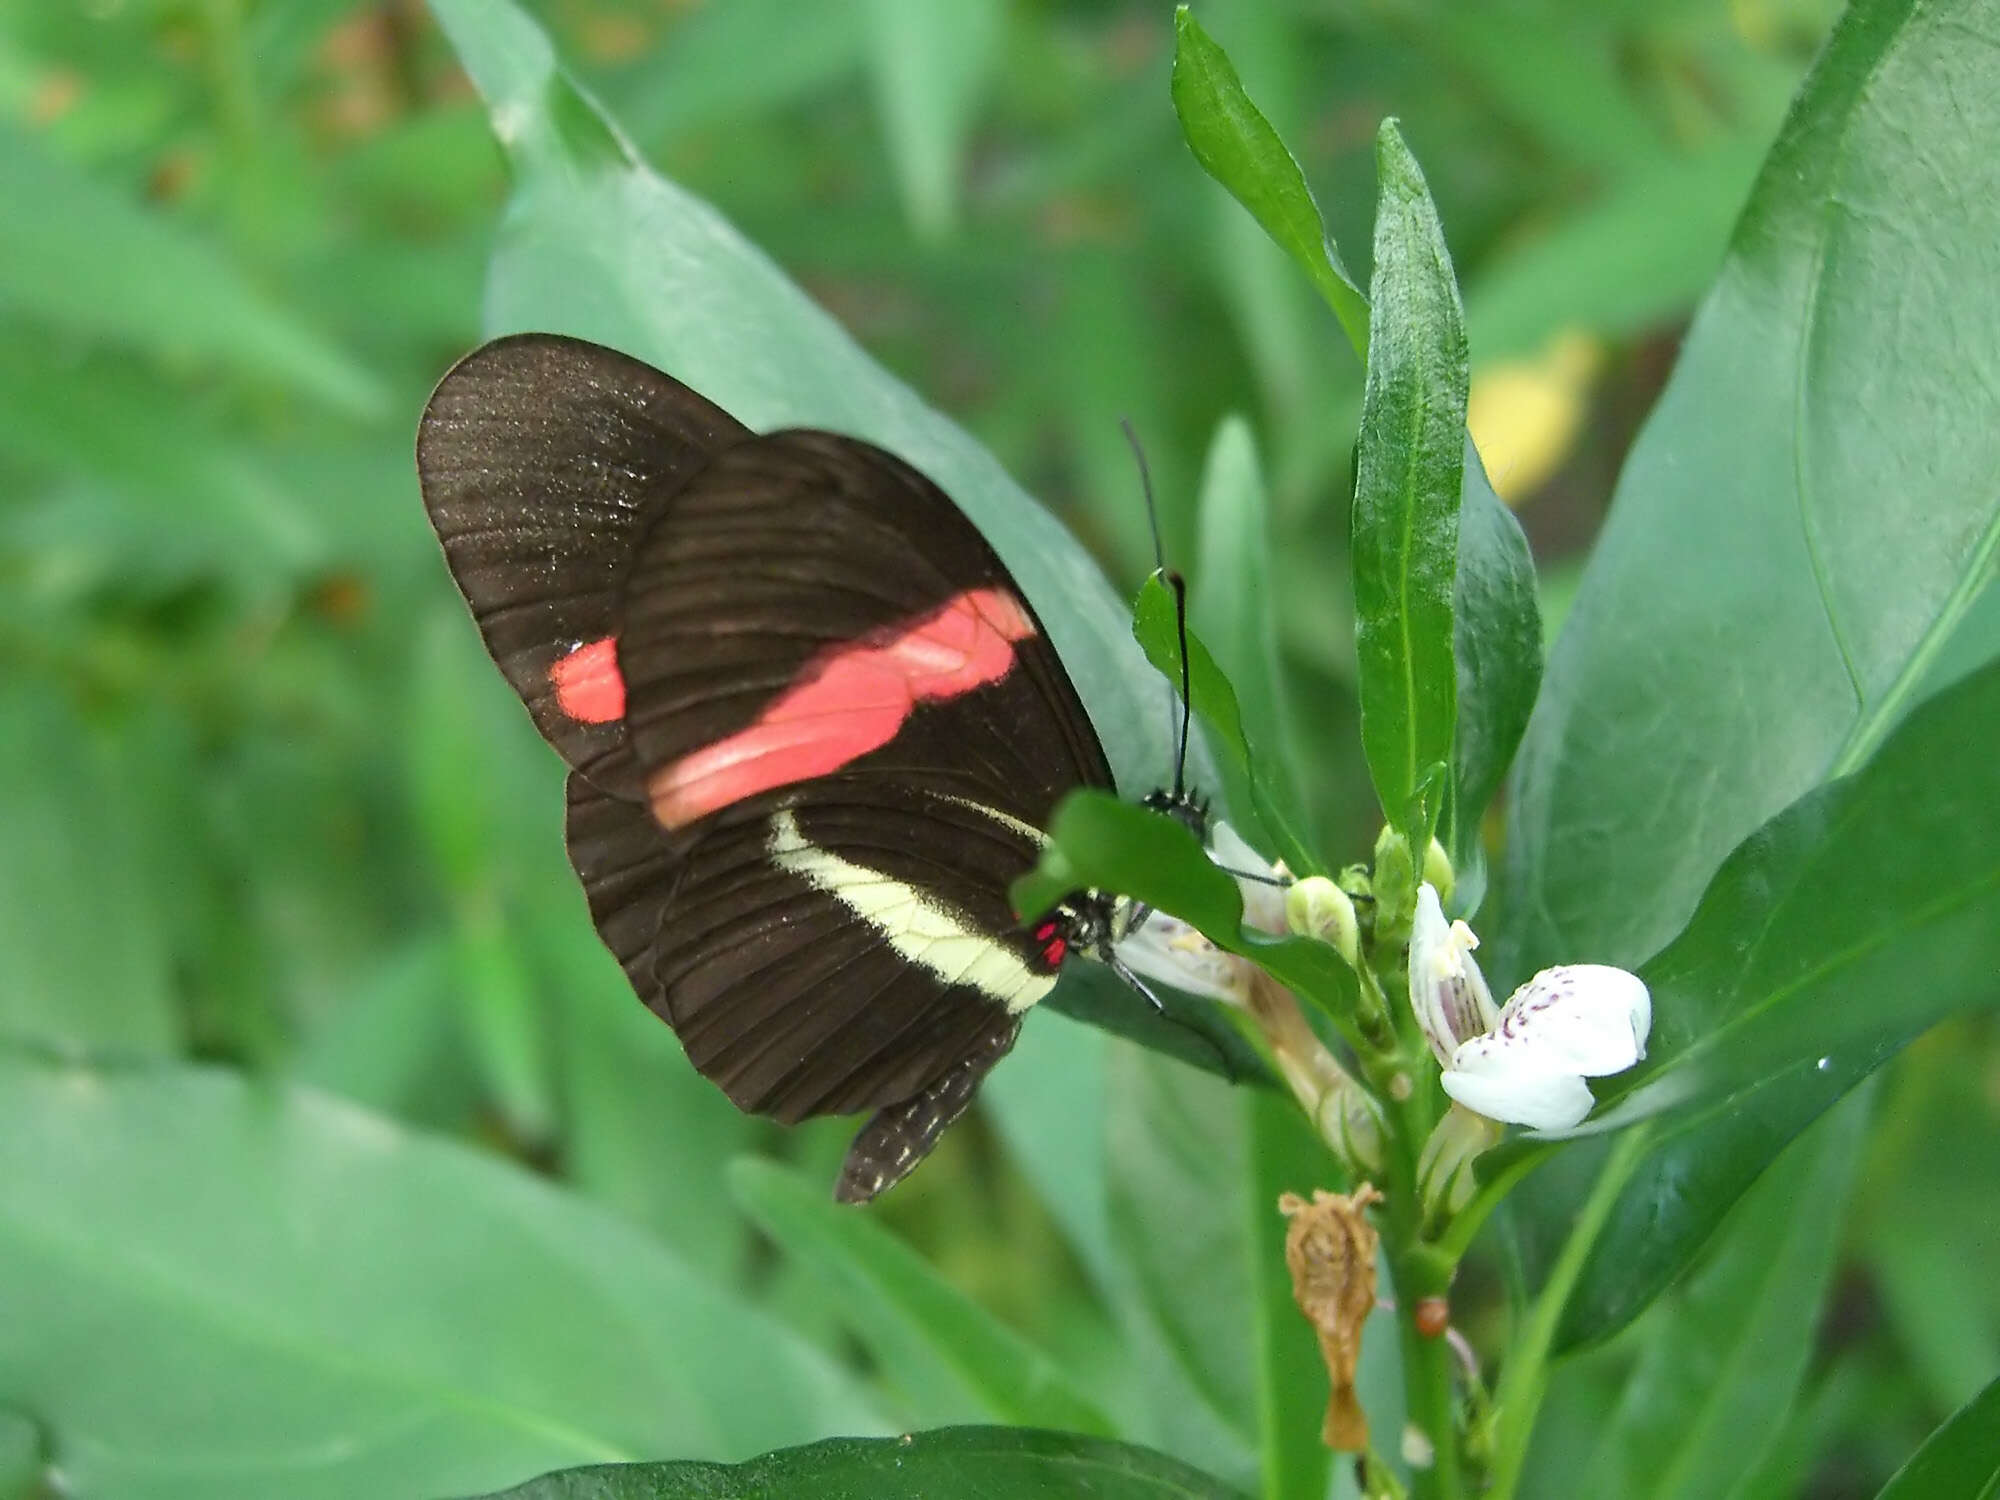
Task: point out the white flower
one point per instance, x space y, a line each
1526 1064
1447 991
1168 950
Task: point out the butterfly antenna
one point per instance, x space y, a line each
1179 586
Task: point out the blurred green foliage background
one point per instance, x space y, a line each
265 803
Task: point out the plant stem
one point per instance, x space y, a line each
1427 1368
1524 1380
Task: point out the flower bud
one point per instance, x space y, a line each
1438 871
1316 907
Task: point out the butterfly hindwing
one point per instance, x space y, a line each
541 460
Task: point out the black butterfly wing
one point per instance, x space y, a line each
833 937
541 459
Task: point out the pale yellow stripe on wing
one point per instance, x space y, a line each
917 927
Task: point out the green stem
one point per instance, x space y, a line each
1524 1380
1427 1367
1458 1236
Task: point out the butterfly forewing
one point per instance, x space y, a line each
541 458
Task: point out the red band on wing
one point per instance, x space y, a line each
589 688
848 703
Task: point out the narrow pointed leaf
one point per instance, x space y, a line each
1407 485
1230 594
1156 623
1236 146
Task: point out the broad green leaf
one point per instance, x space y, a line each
1156 621
1842 929
71 264
918 1325
993 1463
1497 636
84 961
1723 1366
1409 472
1960 1461
598 245
640 1129
1096 841
225 1289
1049 1106
1807 516
930 63
1230 595
1179 1220
1236 146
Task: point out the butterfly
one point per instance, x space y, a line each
813 728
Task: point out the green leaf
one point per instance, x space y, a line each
994 1463
1729 1351
1960 1461
1409 473
73 263
1284 1156
597 245
1157 625
1096 841
1236 146
227 1289
1807 516
84 962
1231 596
641 1130
1498 622
929 63
927 1335
1049 1106
1842 929
1497 638
1179 1219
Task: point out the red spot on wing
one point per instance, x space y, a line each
848 703
589 687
